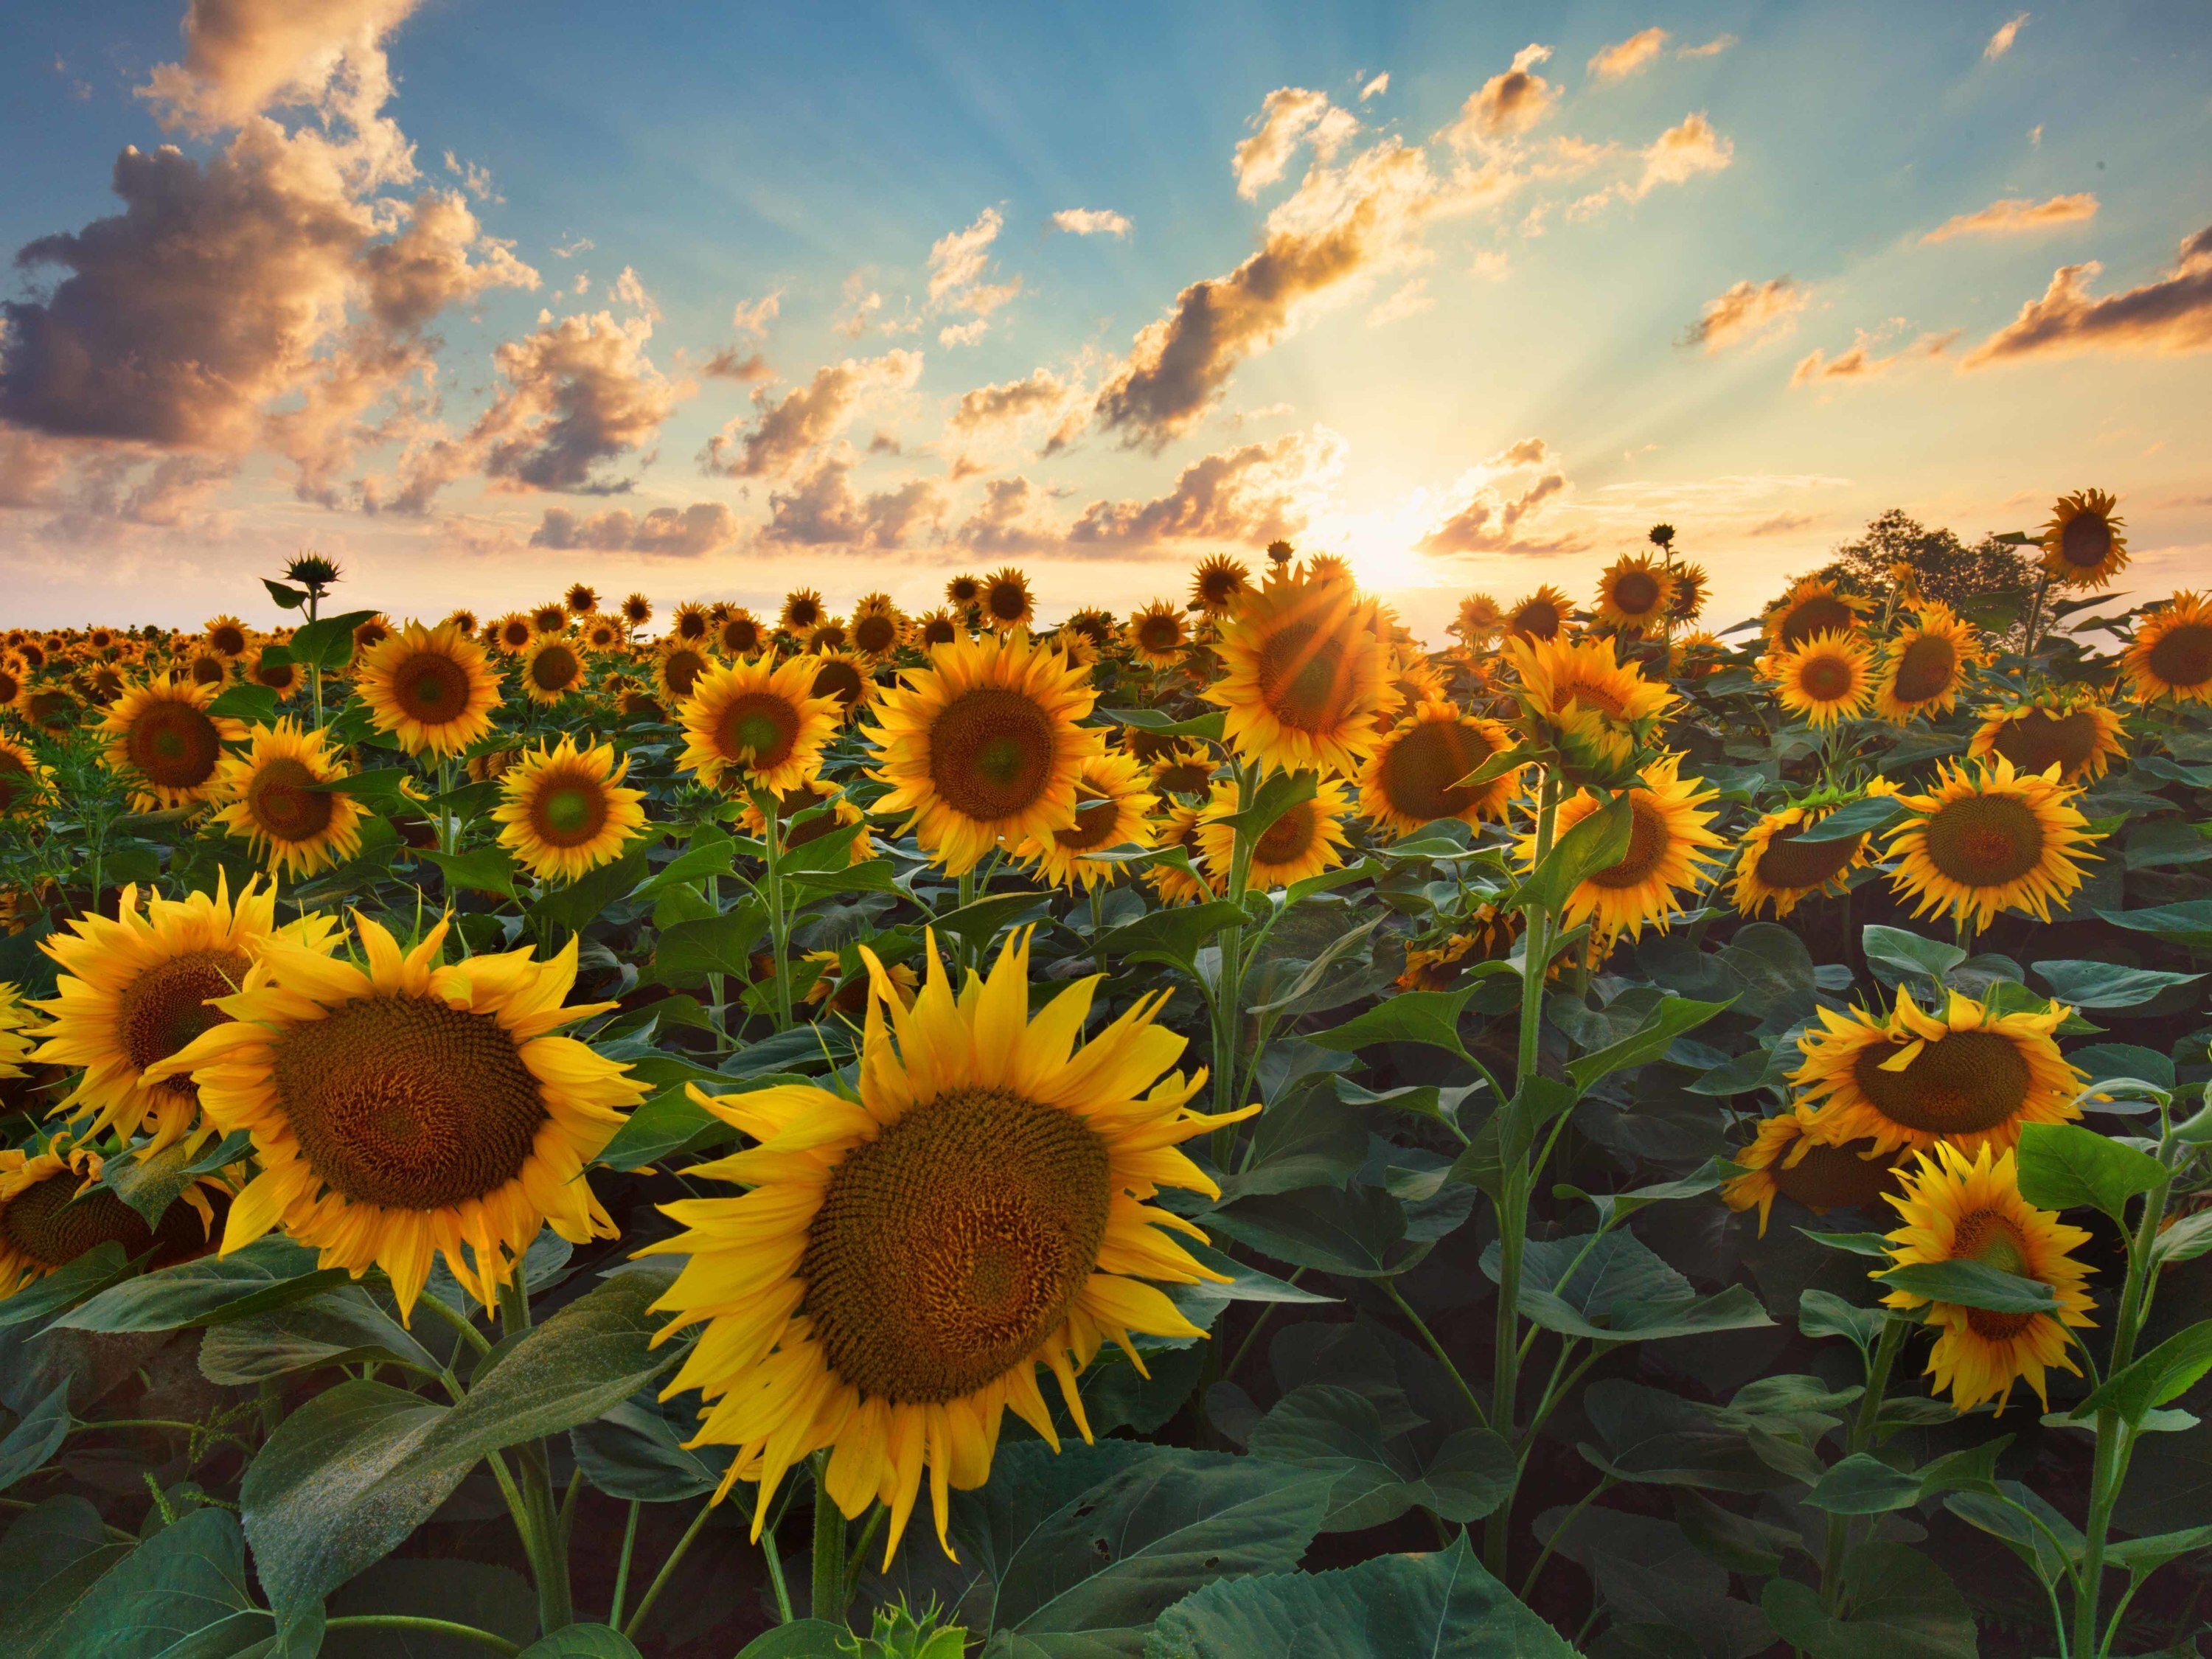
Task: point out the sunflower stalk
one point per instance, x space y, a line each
1229 983
828 1590
541 1540
1860 1436
779 918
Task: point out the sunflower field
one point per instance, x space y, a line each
1214 1132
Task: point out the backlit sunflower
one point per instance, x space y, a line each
1635 593
741 634
1006 601
602 633
1304 675
135 989
53 1209
512 633
227 637
1966 1076
827 636
1813 606
2170 655
581 599
1219 582
935 627
802 611
1178 827
2082 546
1924 667
1413 779
401 1109
1786 1160
677 667
904 1262
1541 615
1987 839
566 811
1180 769
1955 1210
160 738
1776 866
274 798
790 803
23 781
1824 678
430 688
688 623
1095 626
1157 634
755 725
552 667
637 610
1691 587
1479 620
879 626
1113 808
1306 840
1667 835
1330 570
2070 727
1579 699
271 666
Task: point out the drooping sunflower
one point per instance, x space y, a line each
983 746
1958 1209
2170 655
1413 779
2082 546
688 623
161 737
1157 634
1113 808
802 611
512 633
637 610
24 781
1006 600
565 809
1987 839
1786 1160
53 1209
1540 616
1219 582
848 993
741 634
551 668
1813 606
2070 727
271 666
1967 1076
1668 835
1776 866
1824 678
904 1261
879 626
401 1108
1303 675
1306 840
790 803
1924 667
227 637
430 688
936 628
277 796
755 725
677 667
135 988
1635 593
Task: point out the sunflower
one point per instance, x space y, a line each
879 626
1219 582
637 610
1157 634
1825 678
740 634
135 989
53 1209
688 623
20 1026
1181 770
1093 626
512 633
1415 680
1479 619
565 810
15 679
277 673
275 798
903 1261
1487 935
227 637
1776 866
1967 1077
23 781
429 688
1280 553
1787 1159
1813 606
755 725
1006 600
1989 839
1330 570
1113 808
2170 655
936 628
551 668
1635 593
677 667
1303 675
850 678
374 632
162 737
602 633
1413 779
1178 827
402 1108
2082 546
205 669
2072 728
983 746
802 611
1306 840
1578 697
1540 616
581 599
1691 588
848 993
1924 667
1667 836
792 802
825 636
1955 1210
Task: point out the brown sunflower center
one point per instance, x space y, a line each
11 688
681 670
1994 1241
1823 613
2036 742
284 804
948 1248
1094 823
690 625
964 589
1187 777
1007 601
515 635
741 638
1539 620
166 1006
1305 676
173 746
1836 1177
569 810
1419 774
1635 593
431 689
757 730
555 668
839 679
1591 695
1289 837
45 1225
802 613
2182 656
1827 679
209 671
1648 839
991 753
406 1103
1984 840
1159 630
1790 864
875 633
276 676
228 638
1217 585
1927 669
2086 541
939 630
1961 1083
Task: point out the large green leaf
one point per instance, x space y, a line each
1353 1232
339 1326
1854 819
687 952
635 1451
480 869
2064 1165
1972 1285
664 1123
2189 923
2151 1380
327 643
1902 1606
1393 1606
1903 951
574 906
180 1595
589 1641
1570 1285
1862 1484
1321 1425
35 1438
1430 1017
1171 936
1280 791
1653 1438
269 1274
50 1560
1670 1019
1597 842
2106 985
98 1267
1310 1139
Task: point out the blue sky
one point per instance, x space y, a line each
1476 361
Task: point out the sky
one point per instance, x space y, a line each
484 298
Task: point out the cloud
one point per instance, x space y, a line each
1862 362
736 363
959 261
242 57
1782 524
961 334
823 509
576 245
1001 522
2167 317
807 416
1505 105
1674 157
676 532
2013 216
427 267
1621 60
1376 87
1249 495
1712 48
1744 312
1410 298
753 316
860 306
1485 510
1288 116
579 392
989 407
1091 221
2000 42
476 178
1528 452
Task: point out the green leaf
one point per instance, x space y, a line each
92 1272
287 597
1354 1232
2000 1516
36 1436
1569 1285
1862 1484
871 876
2143 1556
1670 1019
575 907
687 952
1277 795
1388 1607
1310 1139
665 1123
2106 984
1854 819
2099 1061
699 862
269 1274
1321 1425
2184 1240
1162 725
1821 1312
149 1182
1652 1437
50 1560
590 1641
2165 1373
635 1451
1172 935
1902 1606
1430 1017
802 1639
342 1326
180 1595
2064 1165
1867 1244
1597 842
481 869
2188 923
1971 1284
254 704
1905 952
978 924
328 643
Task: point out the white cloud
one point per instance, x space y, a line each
1091 221
2000 42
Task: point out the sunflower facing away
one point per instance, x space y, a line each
1636 594
2069 727
1304 673
1924 667
401 1108
1813 607
1967 1075
136 990
565 810
2170 655
1957 1209
1113 808
430 688
161 737
275 798
2082 546
1306 840
982 745
904 1262
1989 839
1776 866
1823 679
755 725
1667 838
1219 582
53 1209
1157 634
1785 1159
1413 779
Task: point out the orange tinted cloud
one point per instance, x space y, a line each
1288 116
579 392
1091 221
2013 215
2168 317
1505 105
1744 312
806 417
1627 57
1252 493
2000 42
1488 509
822 508
676 532
243 55
1862 362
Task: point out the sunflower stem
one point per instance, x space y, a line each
1229 983
779 923
827 1599
483 1639
1860 1436
315 669
622 1565
668 1568
548 1563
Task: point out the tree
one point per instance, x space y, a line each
1946 569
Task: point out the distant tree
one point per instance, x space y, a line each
1947 568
